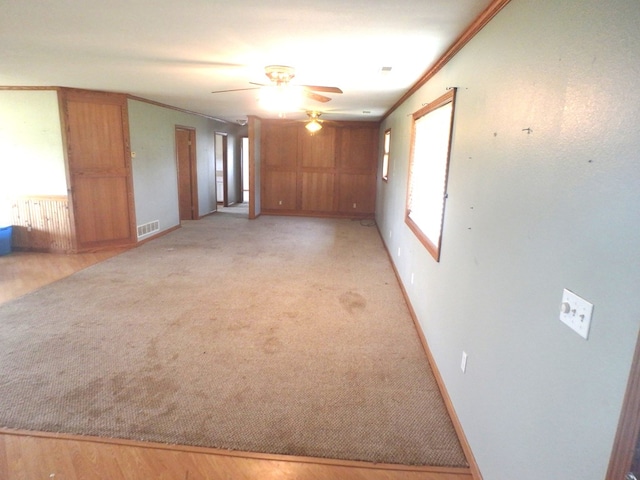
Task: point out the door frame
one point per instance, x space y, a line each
624 444
193 170
225 169
244 168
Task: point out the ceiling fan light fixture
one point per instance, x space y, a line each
313 126
279 74
280 98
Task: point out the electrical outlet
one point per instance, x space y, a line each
411 278
576 312
399 251
463 362
355 205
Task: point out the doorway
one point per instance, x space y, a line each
187 173
221 169
625 458
245 169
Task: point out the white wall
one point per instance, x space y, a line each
31 154
529 215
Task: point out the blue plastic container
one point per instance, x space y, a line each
5 240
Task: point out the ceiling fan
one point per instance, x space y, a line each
314 124
281 76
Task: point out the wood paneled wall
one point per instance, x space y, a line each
330 173
42 224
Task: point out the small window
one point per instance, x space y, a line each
385 155
429 165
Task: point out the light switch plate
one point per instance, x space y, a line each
576 313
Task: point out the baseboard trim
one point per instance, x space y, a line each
157 235
473 466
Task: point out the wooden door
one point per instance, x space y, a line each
187 178
99 169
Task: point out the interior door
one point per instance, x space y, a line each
187 175
99 168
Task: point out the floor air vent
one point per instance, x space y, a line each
148 228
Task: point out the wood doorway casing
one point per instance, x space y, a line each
99 176
221 169
626 445
187 173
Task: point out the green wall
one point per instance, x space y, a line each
527 215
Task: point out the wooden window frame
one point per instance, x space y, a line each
432 245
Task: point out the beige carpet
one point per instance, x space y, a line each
279 335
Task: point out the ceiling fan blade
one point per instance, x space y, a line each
315 96
235 90
318 88
259 84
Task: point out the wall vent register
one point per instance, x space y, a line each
148 228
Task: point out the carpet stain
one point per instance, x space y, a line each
91 391
272 345
352 302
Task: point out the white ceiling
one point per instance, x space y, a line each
176 53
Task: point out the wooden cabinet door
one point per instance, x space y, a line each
99 162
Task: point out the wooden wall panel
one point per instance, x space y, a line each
318 150
356 147
321 174
356 193
280 145
103 196
279 190
96 134
42 224
317 192
97 139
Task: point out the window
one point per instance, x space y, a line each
429 165
385 155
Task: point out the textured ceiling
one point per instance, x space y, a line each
176 53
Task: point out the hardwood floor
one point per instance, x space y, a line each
22 272
36 455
